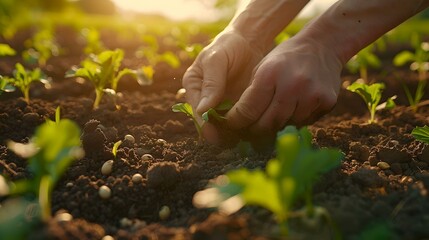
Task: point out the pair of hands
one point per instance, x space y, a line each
295 83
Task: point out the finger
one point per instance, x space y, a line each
192 83
253 102
215 67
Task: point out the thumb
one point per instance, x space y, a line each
215 68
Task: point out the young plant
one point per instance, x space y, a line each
103 70
421 134
420 63
371 94
22 79
41 47
362 61
6 50
288 177
217 114
115 148
186 108
50 151
5 85
93 41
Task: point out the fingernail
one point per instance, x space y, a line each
202 106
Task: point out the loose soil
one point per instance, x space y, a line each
359 194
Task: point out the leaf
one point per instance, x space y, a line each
6 50
171 59
403 57
185 108
216 114
421 134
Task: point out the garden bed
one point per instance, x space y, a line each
362 195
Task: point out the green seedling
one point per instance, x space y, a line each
115 148
421 134
288 177
103 70
22 79
186 108
419 62
362 61
5 85
6 50
41 47
217 114
151 53
371 94
49 152
93 41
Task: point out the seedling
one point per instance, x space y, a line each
362 61
6 50
103 70
287 178
41 47
115 148
371 94
22 79
186 108
421 134
420 63
5 86
51 150
217 114
93 42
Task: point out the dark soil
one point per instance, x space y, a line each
359 195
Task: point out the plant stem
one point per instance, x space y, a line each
98 96
372 110
26 92
198 127
309 202
44 197
364 74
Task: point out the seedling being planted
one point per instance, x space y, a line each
50 151
22 79
103 70
421 134
288 177
186 108
217 114
371 94
419 62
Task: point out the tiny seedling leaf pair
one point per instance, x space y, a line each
421 134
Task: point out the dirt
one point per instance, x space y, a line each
361 194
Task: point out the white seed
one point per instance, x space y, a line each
106 169
180 93
107 237
137 178
383 165
104 192
69 184
161 141
147 157
164 212
130 138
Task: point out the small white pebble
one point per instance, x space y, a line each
125 222
104 192
69 184
63 217
130 138
383 165
107 237
164 212
137 178
106 169
147 157
161 141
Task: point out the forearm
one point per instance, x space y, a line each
261 20
350 25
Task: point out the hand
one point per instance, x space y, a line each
221 71
295 84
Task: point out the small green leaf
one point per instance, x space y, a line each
171 59
421 134
6 50
403 57
185 108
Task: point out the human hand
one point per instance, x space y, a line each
221 71
295 84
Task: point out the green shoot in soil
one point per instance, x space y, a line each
420 63
5 86
287 178
103 70
371 94
41 47
22 79
51 150
186 108
6 50
115 148
421 134
362 61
